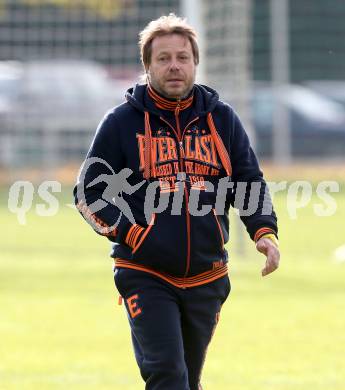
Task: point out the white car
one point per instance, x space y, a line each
52 108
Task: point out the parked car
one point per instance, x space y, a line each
331 89
317 123
10 74
53 106
56 95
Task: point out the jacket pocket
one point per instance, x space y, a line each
220 232
207 241
163 245
145 234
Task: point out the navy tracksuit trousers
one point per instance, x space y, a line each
171 327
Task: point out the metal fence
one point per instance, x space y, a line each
64 63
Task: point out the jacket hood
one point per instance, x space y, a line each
205 99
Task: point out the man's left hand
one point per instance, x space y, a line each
271 251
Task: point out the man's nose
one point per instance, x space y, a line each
174 65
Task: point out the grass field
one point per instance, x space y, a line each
61 327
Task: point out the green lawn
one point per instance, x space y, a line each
61 327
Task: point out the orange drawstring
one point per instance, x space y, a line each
223 154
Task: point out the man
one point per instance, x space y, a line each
189 154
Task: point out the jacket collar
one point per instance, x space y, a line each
170 104
204 99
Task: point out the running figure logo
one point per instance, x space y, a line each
116 185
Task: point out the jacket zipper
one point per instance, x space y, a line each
177 113
179 137
177 120
187 200
193 120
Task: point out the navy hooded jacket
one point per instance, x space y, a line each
159 179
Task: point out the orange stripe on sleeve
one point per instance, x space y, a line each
261 232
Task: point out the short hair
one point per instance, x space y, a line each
166 25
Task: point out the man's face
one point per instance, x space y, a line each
172 68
